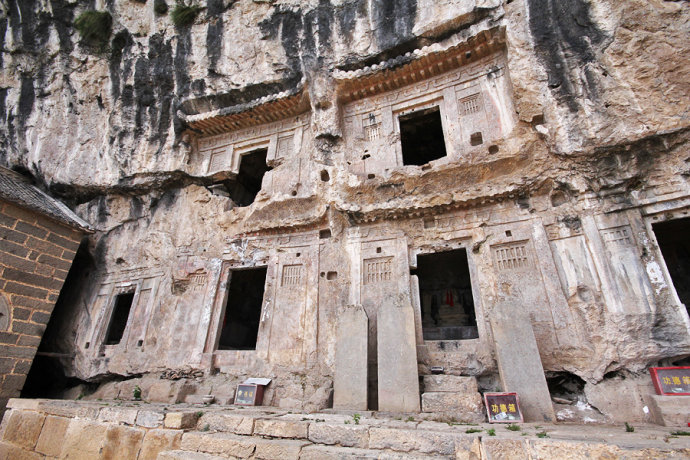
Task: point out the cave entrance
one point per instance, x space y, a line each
421 136
118 320
242 314
445 296
674 243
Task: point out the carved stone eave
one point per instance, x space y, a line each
421 64
260 111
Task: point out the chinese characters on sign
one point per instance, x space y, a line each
671 380
503 407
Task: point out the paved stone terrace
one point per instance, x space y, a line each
52 429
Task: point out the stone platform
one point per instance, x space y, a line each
58 429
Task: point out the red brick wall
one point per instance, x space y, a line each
35 255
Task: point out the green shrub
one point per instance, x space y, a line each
183 15
629 428
160 7
491 431
513 427
473 430
94 27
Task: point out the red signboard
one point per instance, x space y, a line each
671 380
503 407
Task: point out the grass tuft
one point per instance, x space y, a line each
513 427
94 27
183 15
160 7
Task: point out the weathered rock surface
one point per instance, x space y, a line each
582 151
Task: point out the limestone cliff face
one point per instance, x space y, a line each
595 98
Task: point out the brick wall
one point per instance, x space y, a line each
35 255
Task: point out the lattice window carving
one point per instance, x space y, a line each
378 270
619 236
292 275
372 127
511 256
470 104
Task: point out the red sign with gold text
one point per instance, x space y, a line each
671 380
503 407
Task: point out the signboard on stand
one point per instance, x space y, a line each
673 381
503 407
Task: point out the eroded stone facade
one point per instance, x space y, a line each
555 159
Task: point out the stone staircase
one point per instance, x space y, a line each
50 429
453 397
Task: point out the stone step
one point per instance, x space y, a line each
186 455
450 383
337 453
242 446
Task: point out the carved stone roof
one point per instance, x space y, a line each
262 110
417 65
16 189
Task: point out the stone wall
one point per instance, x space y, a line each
35 254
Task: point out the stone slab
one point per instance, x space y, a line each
281 428
519 364
186 455
278 449
469 403
23 428
149 419
350 379
219 443
398 376
426 442
180 420
157 441
52 436
344 435
237 424
450 383
122 442
670 410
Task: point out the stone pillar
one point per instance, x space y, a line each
350 381
519 363
398 377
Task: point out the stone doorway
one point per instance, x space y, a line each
445 296
242 313
673 237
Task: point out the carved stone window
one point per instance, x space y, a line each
513 256
372 127
619 236
292 275
421 136
470 104
119 318
378 270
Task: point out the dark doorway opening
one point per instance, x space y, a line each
246 186
445 295
421 136
118 320
674 241
240 325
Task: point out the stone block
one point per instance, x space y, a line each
425 442
180 420
278 449
237 424
83 439
670 410
451 402
162 391
281 428
332 452
122 442
149 419
504 449
450 383
126 415
52 436
184 455
519 363
398 381
23 428
11 452
344 435
157 441
219 443
22 403
350 380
